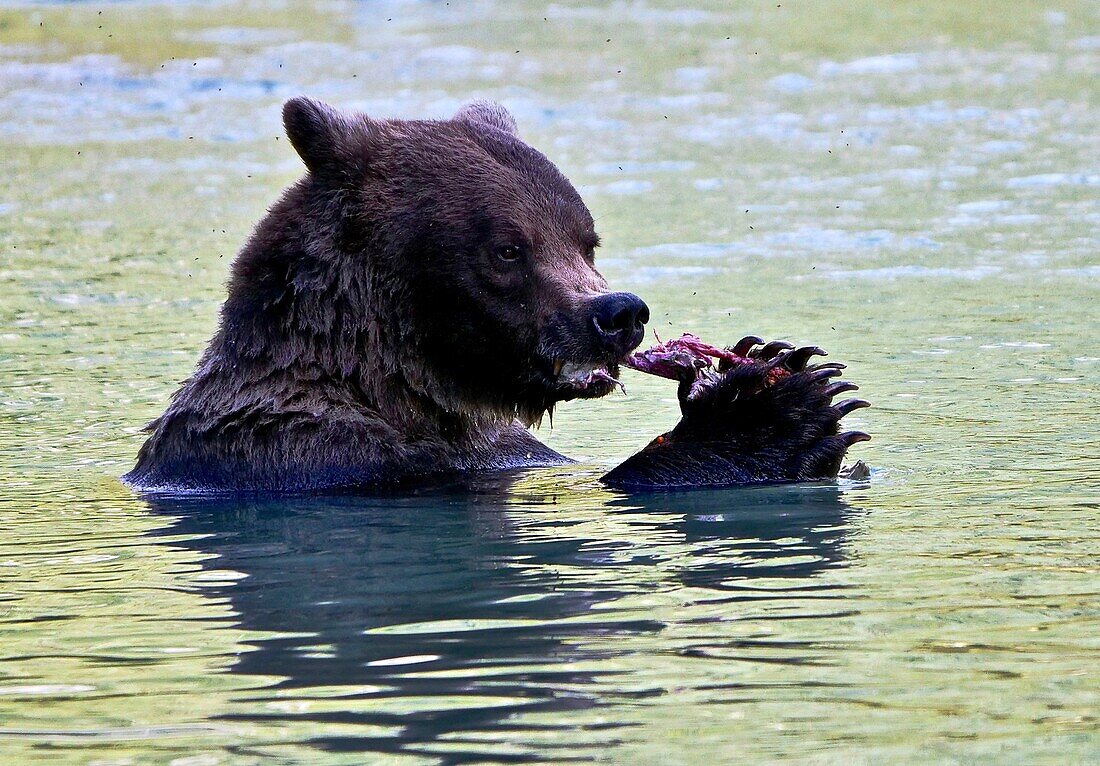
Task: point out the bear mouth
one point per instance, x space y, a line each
587 380
686 359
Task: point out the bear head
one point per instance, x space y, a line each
478 255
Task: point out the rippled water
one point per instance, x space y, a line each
915 186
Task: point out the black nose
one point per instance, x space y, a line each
620 320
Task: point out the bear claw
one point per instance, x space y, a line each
840 387
822 374
850 405
852 437
796 360
769 351
743 346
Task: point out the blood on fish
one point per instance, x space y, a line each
689 357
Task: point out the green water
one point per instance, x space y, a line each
914 186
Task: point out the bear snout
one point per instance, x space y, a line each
619 320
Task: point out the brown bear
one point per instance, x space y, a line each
425 292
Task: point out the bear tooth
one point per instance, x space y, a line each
558 365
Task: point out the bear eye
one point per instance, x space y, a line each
509 253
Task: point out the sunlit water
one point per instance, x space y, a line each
914 187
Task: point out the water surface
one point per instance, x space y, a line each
915 189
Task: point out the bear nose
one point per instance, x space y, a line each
620 320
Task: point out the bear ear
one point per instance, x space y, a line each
488 113
324 137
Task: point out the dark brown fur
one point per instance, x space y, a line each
396 318
371 335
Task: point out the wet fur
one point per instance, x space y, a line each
749 428
369 340
322 372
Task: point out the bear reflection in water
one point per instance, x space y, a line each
432 609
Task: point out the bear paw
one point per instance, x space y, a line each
752 413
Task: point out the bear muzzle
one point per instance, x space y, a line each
584 350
